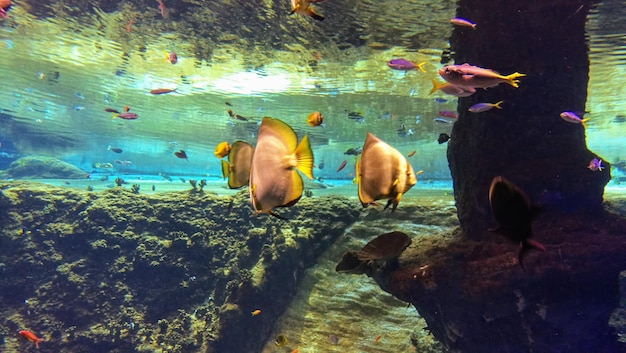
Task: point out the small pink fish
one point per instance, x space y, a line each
573 118
448 114
126 116
476 77
595 165
462 22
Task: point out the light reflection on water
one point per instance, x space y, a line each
56 91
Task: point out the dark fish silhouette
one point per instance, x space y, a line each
514 214
443 138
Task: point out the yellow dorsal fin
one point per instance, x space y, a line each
304 157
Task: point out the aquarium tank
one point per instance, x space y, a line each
301 176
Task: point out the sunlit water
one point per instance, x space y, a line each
57 83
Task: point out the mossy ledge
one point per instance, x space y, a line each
117 271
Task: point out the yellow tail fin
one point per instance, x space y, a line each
511 79
436 86
304 156
584 121
420 66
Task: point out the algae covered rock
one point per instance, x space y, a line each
41 167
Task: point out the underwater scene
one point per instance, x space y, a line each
306 176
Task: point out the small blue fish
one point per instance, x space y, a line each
79 95
78 107
443 120
440 100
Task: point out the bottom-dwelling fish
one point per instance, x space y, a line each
382 173
514 214
237 169
274 181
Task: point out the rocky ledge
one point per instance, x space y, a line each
117 271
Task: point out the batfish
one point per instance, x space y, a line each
514 214
382 173
274 181
237 169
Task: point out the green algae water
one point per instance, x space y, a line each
108 244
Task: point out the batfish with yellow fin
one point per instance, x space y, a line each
237 169
383 173
274 181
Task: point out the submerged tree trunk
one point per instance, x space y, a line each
526 142
470 288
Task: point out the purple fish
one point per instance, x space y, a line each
595 165
405 65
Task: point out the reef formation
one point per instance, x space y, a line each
118 271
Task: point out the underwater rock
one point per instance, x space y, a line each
119 272
41 167
476 298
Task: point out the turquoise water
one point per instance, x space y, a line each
56 90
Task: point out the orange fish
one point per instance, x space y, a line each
411 154
295 351
222 149
315 119
256 312
162 90
377 338
303 7
31 337
5 5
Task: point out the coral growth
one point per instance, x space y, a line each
117 271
